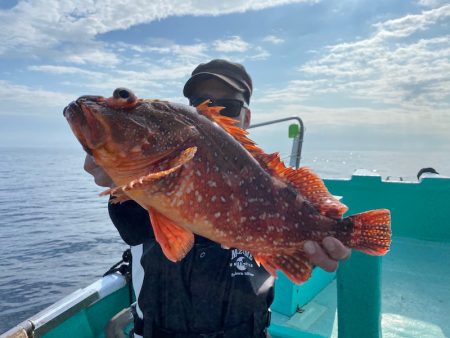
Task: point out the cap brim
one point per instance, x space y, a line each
190 84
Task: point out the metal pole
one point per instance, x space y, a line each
297 142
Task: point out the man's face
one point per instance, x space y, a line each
216 89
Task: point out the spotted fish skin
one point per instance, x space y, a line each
196 172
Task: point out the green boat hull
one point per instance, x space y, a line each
345 304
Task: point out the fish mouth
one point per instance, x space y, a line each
85 123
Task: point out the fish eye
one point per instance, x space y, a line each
123 93
122 98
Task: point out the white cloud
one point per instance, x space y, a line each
399 66
432 3
273 39
410 24
259 54
64 70
95 56
17 99
37 28
359 116
230 45
165 47
149 78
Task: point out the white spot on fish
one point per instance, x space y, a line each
217 214
136 149
223 199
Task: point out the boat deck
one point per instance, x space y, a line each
415 295
416 289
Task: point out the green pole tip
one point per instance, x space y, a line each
294 130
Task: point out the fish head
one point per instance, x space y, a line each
123 128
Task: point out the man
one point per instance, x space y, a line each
213 292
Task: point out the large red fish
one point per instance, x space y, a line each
196 172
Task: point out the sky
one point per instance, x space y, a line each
363 75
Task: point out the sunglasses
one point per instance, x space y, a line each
232 107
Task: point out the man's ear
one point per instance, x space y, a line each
247 118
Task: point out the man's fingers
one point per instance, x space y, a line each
318 257
335 249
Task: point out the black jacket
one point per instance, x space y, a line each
210 290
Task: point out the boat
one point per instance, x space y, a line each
403 294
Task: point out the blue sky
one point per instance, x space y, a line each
362 74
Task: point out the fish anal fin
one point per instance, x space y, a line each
174 240
295 266
371 232
184 157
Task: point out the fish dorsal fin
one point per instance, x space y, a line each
185 156
229 125
308 183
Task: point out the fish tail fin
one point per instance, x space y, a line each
371 232
295 265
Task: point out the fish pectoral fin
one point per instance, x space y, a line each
295 266
174 240
184 157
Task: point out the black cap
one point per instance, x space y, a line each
233 74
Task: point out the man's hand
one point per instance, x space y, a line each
329 258
100 177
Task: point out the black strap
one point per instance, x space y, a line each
138 322
125 270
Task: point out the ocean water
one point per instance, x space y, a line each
56 236
55 233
